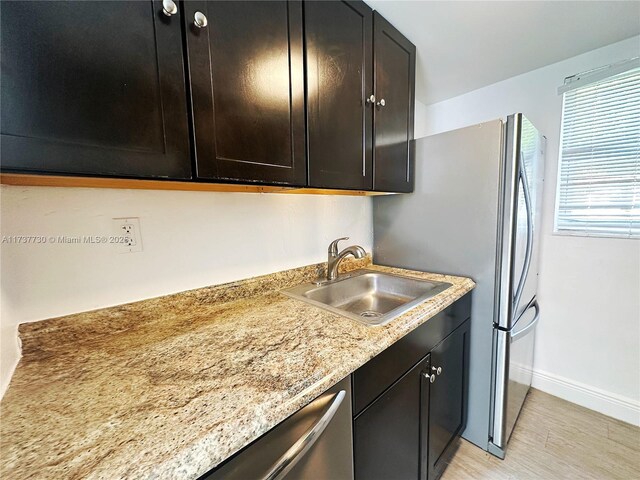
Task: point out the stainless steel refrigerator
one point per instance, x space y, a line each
475 212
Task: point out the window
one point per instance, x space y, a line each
599 172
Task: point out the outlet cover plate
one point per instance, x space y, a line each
127 236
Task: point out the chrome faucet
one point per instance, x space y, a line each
335 258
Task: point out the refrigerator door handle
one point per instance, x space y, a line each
529 249
530 326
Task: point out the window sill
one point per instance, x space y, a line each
586 234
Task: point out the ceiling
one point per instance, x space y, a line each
466 45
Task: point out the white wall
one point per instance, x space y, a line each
190 240
421 127
588 343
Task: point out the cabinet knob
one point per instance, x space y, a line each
431 378
371 99
381 103
169 7
200 20
438 370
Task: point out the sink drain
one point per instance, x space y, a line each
370 314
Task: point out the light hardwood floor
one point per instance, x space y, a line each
555 439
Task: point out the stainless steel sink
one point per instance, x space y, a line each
368 296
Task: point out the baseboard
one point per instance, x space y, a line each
610 404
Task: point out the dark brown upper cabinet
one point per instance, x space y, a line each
339 54
360 99
93 88
394 65
246 69
282 93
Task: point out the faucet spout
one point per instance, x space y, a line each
334 258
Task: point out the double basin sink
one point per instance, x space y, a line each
368 296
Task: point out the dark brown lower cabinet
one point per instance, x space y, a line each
387 433
412 429
446 401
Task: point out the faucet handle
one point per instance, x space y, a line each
333 246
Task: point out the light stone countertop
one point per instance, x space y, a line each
170 387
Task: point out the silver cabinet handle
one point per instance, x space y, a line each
381 103
371 99
200 20
295 453
438 370
169 7
431 378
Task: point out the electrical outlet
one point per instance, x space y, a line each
126 235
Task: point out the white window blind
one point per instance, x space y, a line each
599 176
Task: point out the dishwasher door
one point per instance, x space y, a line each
314 443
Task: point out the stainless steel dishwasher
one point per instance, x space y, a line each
314 443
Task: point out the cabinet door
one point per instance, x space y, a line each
387 434
374 377
247 90
93 88
447 401
394 64
339 80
